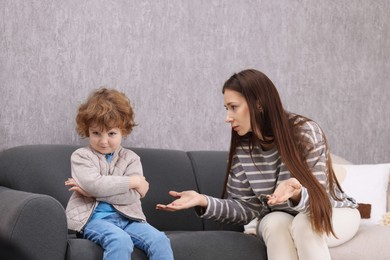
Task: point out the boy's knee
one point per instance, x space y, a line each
121 238
161 245
161 238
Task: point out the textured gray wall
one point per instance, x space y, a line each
329 59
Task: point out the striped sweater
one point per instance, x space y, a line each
259 174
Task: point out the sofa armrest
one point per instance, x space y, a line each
35 223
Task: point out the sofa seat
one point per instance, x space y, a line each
370 242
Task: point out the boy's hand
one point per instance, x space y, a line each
140 184
75 187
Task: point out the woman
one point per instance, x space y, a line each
279 171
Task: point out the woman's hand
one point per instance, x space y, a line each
286 190
140 184
185 200
75 187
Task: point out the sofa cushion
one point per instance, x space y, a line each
370 242
338 159
195 245
368 184
83 249
167 170
210 170
209 245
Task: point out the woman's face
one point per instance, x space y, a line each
237 114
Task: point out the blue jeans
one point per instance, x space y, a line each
118 235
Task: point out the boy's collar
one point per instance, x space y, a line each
98 153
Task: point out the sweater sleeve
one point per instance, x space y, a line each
240 207
86 172
132 166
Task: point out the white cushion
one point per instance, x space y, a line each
368 183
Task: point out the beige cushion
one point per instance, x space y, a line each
339 160
340 171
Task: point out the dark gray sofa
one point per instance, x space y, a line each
33 198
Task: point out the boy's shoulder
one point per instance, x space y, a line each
83 150
127 154
85 153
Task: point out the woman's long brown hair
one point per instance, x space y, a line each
277 126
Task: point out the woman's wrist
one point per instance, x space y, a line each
203 202
296 197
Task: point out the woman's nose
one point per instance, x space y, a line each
228 118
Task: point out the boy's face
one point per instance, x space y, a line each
104 141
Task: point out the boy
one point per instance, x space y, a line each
108 183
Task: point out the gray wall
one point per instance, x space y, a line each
329 59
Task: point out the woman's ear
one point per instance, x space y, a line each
259 107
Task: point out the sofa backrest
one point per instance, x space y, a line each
43 169
210 170
167 170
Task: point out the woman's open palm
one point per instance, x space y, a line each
185 200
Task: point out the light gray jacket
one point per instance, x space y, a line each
108 182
